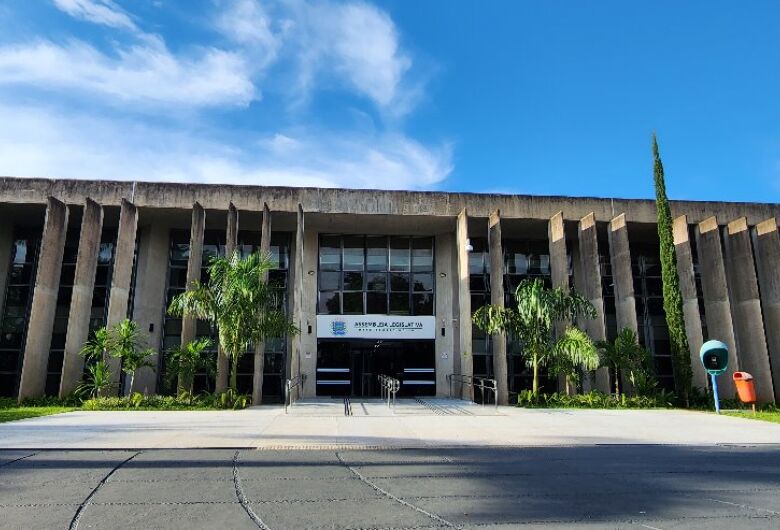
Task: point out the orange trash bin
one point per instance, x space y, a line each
745 387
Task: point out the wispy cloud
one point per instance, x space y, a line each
103 12
323 44
51 143
142 73
354 43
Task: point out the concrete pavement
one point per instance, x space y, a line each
628 486
321 424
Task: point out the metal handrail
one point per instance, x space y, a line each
388 388
460 378
482 383
296 382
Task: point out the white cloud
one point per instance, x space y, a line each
146 72
103 12
353 42
45 142
247 23
352 45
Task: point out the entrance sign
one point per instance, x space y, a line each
375 327
714 356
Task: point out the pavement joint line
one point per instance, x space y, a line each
18 459
393 497
749 507
242 497
74 523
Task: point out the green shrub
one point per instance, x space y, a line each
183 401
594 400
48 401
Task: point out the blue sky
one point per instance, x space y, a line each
549 98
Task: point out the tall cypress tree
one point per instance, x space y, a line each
681 359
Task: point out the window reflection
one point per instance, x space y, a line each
345 289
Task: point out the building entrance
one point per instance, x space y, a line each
350 368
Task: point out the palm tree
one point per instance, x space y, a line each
98 381
96 347
623 354
531 322
573 352
185 361
239 303
125 343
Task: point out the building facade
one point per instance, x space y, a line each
378 282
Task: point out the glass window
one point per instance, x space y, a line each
354 253
330 303
422 254
180 252
518 264
423 282
353 281
330 253
330 281
399 303
476 262
377 282
408 260
353 303
399 254
423 304
399 282
376 253
376 303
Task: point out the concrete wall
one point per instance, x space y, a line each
182 196
445 344
150 287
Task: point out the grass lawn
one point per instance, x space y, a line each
766 415
19 413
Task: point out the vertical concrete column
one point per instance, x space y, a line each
746 309
691 312
6 244
123 273
231 242
620 258
44 302
559 262
308 355
591 276
189 324
445 331
717 307
464 302
149 304
767 243
623 278
81 299
259 367
296 342
559 269
497 299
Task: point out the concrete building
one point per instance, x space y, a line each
377 281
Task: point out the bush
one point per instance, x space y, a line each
594 400
48 401
184 401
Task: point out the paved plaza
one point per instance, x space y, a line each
628 486
428 464
322 424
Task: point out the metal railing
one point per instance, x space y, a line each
481 383
296 383
388 388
